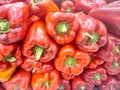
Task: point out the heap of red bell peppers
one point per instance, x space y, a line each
57 45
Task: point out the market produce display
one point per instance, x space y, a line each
59 45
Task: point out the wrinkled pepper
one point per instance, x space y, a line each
88 5
113 67
95 76
13 25
36 66
65 85
62 27
3 65
71 60
91 35
46 81
110 84
6 74
19 81
94 62
2 2
67 6
79 84
110 50
42 7
38 45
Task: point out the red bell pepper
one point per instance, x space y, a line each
19 81
95 76
91 35
113 67
2 2
3 65
109 14
94 62
87 5
67 6
36 66
41 7
46 81
38 45
13 25
79 84
110 84
71 60
110 50
62 27
65 85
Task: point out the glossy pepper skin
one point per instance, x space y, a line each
38 45
113 67
110 84
13 25
110 50
2 2
65 85
88 5
42 7
79 84
6 74
91 35
46 81
94 62
67 6
19 81
62 27
36 66
71 60
95 76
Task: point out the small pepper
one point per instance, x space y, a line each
71 60
62 27
19 81
110 50
65 85
36 66
38 45
113 67
67 6
46 81
41 7
6 74
79 84
14 22
95 76
88 5
91 35
110 84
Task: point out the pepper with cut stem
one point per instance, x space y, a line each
71 61
67 6
91 35
62 27
95 76
46 81
4 26
38 45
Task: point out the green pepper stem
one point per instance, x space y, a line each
116 50
62 27
47 83
68 9
35 2
38 52
92 38
115 65
70 62
16 87
9 58
4 26
97 76
82 88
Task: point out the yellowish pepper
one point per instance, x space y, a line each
7 73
